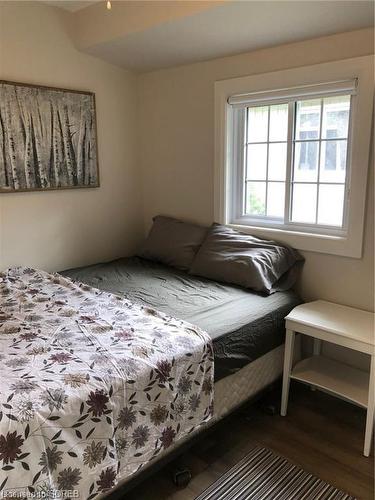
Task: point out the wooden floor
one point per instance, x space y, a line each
321 434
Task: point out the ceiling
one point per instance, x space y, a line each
147 35
71 5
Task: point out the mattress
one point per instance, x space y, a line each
244 325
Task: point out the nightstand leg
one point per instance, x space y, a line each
370 410
317 349
288 361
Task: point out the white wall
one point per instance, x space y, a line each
59 229
176 144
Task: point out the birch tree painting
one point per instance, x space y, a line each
47 138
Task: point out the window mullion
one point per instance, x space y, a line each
267 157
318 165
289 161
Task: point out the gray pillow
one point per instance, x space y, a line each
233 257
173 242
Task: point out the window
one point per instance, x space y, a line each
292 152
294 168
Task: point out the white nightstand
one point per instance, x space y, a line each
341 325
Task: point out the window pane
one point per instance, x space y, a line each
277 161
256 161
306 161
331 203
257 124
255 198
336 117
278 122
304 203
308 119
276 199
333 161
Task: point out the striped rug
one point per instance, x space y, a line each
263 475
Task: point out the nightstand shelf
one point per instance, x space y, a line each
334 377
343 326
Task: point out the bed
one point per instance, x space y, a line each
247 328
241 331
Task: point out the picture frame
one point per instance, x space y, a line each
48 138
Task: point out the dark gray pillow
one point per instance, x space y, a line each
233 257
173 242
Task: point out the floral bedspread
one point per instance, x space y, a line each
92 386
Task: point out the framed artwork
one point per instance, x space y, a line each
48 138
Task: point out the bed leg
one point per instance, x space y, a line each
270 404
270 409
182 476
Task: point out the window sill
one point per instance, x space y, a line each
321 243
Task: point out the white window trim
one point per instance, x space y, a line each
362 69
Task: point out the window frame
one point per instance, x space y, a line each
346 241
239 129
